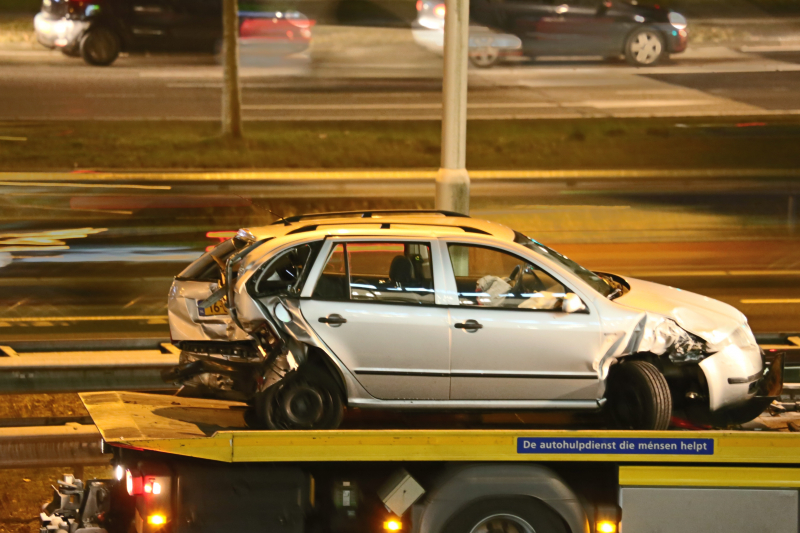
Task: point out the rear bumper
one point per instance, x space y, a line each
58 32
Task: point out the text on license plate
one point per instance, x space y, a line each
217 308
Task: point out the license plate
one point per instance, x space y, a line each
215 309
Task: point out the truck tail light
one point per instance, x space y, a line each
606 526
439 10
393 524
152 487
157 519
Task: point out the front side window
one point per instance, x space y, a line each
388 272
487 277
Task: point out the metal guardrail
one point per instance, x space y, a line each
33 447
88 371
47 372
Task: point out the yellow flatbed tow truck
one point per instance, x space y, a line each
191 465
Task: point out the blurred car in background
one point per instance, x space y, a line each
98 30
644 35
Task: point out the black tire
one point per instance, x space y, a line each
645 47
305 399
100 47
638 397
484 57
506 515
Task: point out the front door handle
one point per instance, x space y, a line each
333 319
469 325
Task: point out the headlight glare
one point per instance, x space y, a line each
677 20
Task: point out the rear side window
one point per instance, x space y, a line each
206 268
385 272
286 272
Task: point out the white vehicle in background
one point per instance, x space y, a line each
486 47
428 310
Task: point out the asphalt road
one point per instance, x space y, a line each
87 260
397 81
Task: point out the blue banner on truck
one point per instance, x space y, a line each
621 445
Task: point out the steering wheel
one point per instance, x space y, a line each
516 278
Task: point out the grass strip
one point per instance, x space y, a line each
673 143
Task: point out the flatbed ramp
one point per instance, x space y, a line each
216 430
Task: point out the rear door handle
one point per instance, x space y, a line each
469 325
333 319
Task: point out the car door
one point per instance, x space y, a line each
510 338
587 29
535 22
373 305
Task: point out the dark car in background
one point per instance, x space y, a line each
644 35
98 30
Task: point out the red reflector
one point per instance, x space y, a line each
133 483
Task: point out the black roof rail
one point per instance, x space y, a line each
367 214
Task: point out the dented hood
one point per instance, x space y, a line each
709 319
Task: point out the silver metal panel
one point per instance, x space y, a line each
479 405
682 510
394 338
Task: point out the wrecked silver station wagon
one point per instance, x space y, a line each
435 310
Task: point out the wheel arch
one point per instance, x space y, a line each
463 486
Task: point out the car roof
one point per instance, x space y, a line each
414 222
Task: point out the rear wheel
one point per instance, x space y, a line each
305 399
100 47
645 47
506 515
638 396
484 57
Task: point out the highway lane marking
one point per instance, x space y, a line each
699 273
597 104
17 178
365 107
86 185
79 318
772 301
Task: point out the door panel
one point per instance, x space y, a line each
396 352
525 347
375 300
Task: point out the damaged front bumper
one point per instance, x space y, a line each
758 390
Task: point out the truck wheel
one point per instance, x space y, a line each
638 396
306 399
506 515
99 47
645 47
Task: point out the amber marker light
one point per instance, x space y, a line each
606 526
156 519
392 525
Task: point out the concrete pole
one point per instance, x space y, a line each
231 92
452 182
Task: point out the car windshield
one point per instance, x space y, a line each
595 281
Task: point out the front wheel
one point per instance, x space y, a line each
305 399
638 396
645 47
100 47
507 515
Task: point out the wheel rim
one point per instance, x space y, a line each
503 523
303 405
646 48
485 56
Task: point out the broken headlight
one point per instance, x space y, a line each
662 336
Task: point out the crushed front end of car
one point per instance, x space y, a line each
718 374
